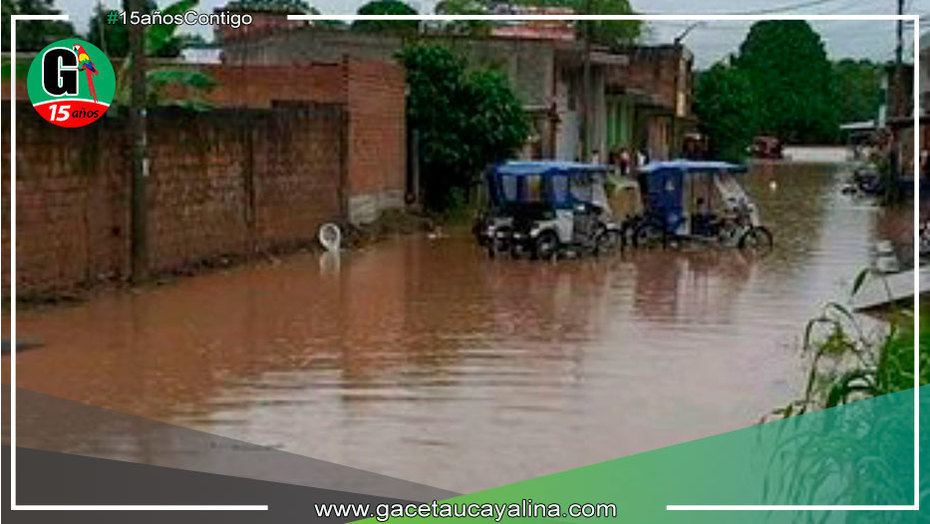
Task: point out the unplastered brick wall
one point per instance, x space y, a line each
377 137
260 86
372 90
302 174
220 183
71 204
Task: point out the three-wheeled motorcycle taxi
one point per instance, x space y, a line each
546 207
700 201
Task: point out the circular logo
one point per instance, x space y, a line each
71 83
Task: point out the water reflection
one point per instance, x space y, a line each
425 360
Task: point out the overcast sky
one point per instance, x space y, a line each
709 42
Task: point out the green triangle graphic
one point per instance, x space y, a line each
861 453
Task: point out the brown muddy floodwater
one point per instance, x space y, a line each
425 360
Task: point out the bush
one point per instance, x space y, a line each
465 120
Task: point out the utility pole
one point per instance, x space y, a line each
899 49
586 88
100 15
679 58
897 106
137 103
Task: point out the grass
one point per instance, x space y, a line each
851 458
849 363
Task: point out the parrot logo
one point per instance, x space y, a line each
84 64
55 87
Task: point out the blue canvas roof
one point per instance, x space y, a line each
693 166
544 166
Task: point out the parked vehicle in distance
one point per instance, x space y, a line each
544 208
766 147
700 201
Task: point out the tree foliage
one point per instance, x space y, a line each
6 8
465 119
387 7
858 88
781 83
606 32
792 80
464 7
726 107
34 34
161 40
114 39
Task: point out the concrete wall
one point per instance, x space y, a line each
223 183
654 72
528 64
567 97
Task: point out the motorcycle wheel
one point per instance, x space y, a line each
648 236
607 241
757 240
546 246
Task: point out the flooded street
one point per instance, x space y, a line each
423 359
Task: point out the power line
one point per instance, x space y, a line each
781 9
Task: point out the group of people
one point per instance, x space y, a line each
625 161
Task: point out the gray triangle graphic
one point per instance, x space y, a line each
49 423
50 478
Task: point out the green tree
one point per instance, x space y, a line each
161 40
858 88
726 108
465 119
792 80
34 34
387 7
6 7
112 38
464 7
608 32
614 33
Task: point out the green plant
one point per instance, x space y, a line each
725 105
387 7
859 90
33 35
614 33
464 7
849 363
161 40
862 455
158 39
792 81
465 119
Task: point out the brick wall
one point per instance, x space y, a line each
373 91
222 183
260 86
377 138
70 203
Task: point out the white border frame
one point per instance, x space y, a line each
914 19
56 507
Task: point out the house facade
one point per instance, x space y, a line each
640 96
